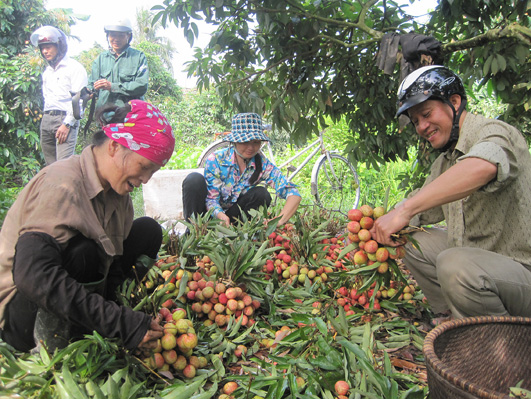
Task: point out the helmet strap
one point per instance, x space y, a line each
122 49
454 133
53 63
246 160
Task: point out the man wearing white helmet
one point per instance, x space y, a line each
62 76
120 74
481 186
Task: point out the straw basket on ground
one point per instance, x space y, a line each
478 357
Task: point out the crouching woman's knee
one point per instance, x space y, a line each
194 181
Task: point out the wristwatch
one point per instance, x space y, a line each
67 125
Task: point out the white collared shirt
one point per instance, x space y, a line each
58 83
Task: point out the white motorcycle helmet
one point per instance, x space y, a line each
50 34
121 25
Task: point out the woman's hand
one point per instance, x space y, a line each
224 218
290 207
149 342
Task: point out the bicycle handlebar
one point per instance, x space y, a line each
216 135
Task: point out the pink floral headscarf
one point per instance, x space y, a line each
145 131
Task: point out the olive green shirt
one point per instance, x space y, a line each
497 217
65 199
128 74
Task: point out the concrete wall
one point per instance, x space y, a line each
163 194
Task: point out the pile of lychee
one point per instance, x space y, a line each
174 352
217 303
287 269
349 298
211 299
369 251
333 247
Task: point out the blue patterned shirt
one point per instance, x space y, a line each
225 184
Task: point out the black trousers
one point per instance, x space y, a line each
80 259
195 192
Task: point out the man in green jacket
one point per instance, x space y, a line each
121 73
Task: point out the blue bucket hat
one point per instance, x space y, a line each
245 128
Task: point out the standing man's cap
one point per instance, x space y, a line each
121 25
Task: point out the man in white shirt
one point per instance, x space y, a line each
62 77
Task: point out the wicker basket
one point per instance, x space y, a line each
478 357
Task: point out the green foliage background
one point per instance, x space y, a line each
312 64
338 86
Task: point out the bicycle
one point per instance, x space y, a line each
334 181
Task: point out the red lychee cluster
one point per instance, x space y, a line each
333 247
350 298
222 302
214 301
369 251
174 352
287 269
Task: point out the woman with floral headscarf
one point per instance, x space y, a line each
234 177
70 239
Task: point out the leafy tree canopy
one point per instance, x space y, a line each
304 63
21 66
20 83
145 31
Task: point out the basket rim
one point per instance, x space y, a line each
433 360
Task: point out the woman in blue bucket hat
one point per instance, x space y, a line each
233 177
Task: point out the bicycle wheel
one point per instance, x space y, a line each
335 183
216 145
